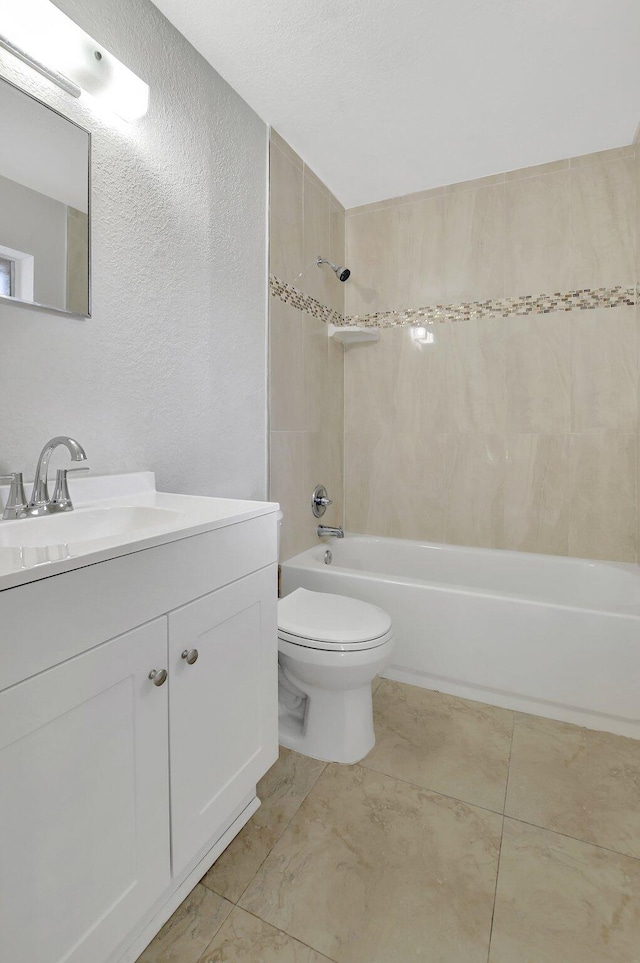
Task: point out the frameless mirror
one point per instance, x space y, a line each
44 205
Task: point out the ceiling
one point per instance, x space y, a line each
386 97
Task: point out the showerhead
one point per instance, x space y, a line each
342 273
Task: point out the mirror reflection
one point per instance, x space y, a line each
44 205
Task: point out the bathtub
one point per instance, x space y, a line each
557 637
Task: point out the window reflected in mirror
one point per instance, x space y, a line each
44 205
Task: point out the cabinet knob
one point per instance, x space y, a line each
158 677
190 655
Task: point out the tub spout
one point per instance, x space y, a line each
324 530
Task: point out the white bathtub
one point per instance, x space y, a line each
558 637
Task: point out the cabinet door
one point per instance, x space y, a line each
84 834
223 707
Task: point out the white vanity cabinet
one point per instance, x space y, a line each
118 793
221 702
84 816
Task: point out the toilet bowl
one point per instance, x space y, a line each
330 649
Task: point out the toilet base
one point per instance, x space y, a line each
336 726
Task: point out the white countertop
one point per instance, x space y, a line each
194 515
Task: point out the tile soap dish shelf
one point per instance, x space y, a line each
353 335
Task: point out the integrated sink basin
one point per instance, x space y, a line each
113 515
84 525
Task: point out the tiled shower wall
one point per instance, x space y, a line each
517 432
306 368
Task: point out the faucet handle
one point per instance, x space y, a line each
16 506
61 500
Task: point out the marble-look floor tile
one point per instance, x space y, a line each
190 930
442 743
245 939
576 781
373 870
281 792
563 901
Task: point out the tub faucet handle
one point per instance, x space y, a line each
320 501
16 506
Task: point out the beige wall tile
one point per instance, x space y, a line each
319 282
365 488
306 371
285 217
324 465
419 381
316 370
536 170
577 782
419 254
369 384
476 376
372 258
287 486
603 230
636 163
600 156
537 235
334 400
319 183
449 745
396 484
474 244
491 180
537 494
603 497
286 149
398 201
476 490
563 901
604 356
286 373
337 289
538 373
438 859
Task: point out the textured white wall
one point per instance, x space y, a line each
170 372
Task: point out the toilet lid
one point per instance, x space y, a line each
333 619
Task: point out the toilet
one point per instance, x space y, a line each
330 649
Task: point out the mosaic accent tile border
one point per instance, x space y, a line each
582 300
586 299
303 302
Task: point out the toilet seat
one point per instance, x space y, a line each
318 620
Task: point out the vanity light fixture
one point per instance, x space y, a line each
41 35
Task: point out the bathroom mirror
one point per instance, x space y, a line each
44 206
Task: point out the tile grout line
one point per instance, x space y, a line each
576 839
290 935
503 814
434 792
293 816
504 806
215 935
495 891
506 787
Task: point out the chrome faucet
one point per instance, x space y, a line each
323 531
40 503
